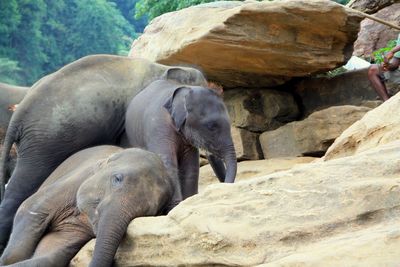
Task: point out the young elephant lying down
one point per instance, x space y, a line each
94 193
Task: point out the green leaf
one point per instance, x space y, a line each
379 54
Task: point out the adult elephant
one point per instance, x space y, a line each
174 120
10 96
81 105
96 192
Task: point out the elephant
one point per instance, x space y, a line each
10 96
81 105
96 192
174 120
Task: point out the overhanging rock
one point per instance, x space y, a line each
252 44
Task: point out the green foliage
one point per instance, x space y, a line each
9 21
9 71
40 36
380 53
98 28
127 8
27 39
154 8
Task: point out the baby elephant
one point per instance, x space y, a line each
96 192
175 120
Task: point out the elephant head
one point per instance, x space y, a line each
119 191
200 115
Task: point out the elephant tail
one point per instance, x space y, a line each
8 142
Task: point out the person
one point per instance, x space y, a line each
389 70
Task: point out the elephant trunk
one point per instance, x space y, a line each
111 229
229 157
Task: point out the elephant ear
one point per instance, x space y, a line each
176 106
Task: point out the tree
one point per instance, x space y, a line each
154 8
40 36
9 71
98 28
55 30
10 18
127 9
27 39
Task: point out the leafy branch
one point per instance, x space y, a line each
379 54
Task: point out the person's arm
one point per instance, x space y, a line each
391 53
396 48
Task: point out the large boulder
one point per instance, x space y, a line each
349 88
370 6
379 126
374 35
311 136
341 208
260 110
253 44
247 146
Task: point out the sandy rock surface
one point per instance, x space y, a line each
281 218
373 245
253 168
270 41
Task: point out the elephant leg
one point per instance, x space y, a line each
24 181
57 249
165 147
218 167
29 227
189 172
177 195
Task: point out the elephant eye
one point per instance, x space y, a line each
211 126
117 179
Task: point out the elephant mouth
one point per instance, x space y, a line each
214 152
208 147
